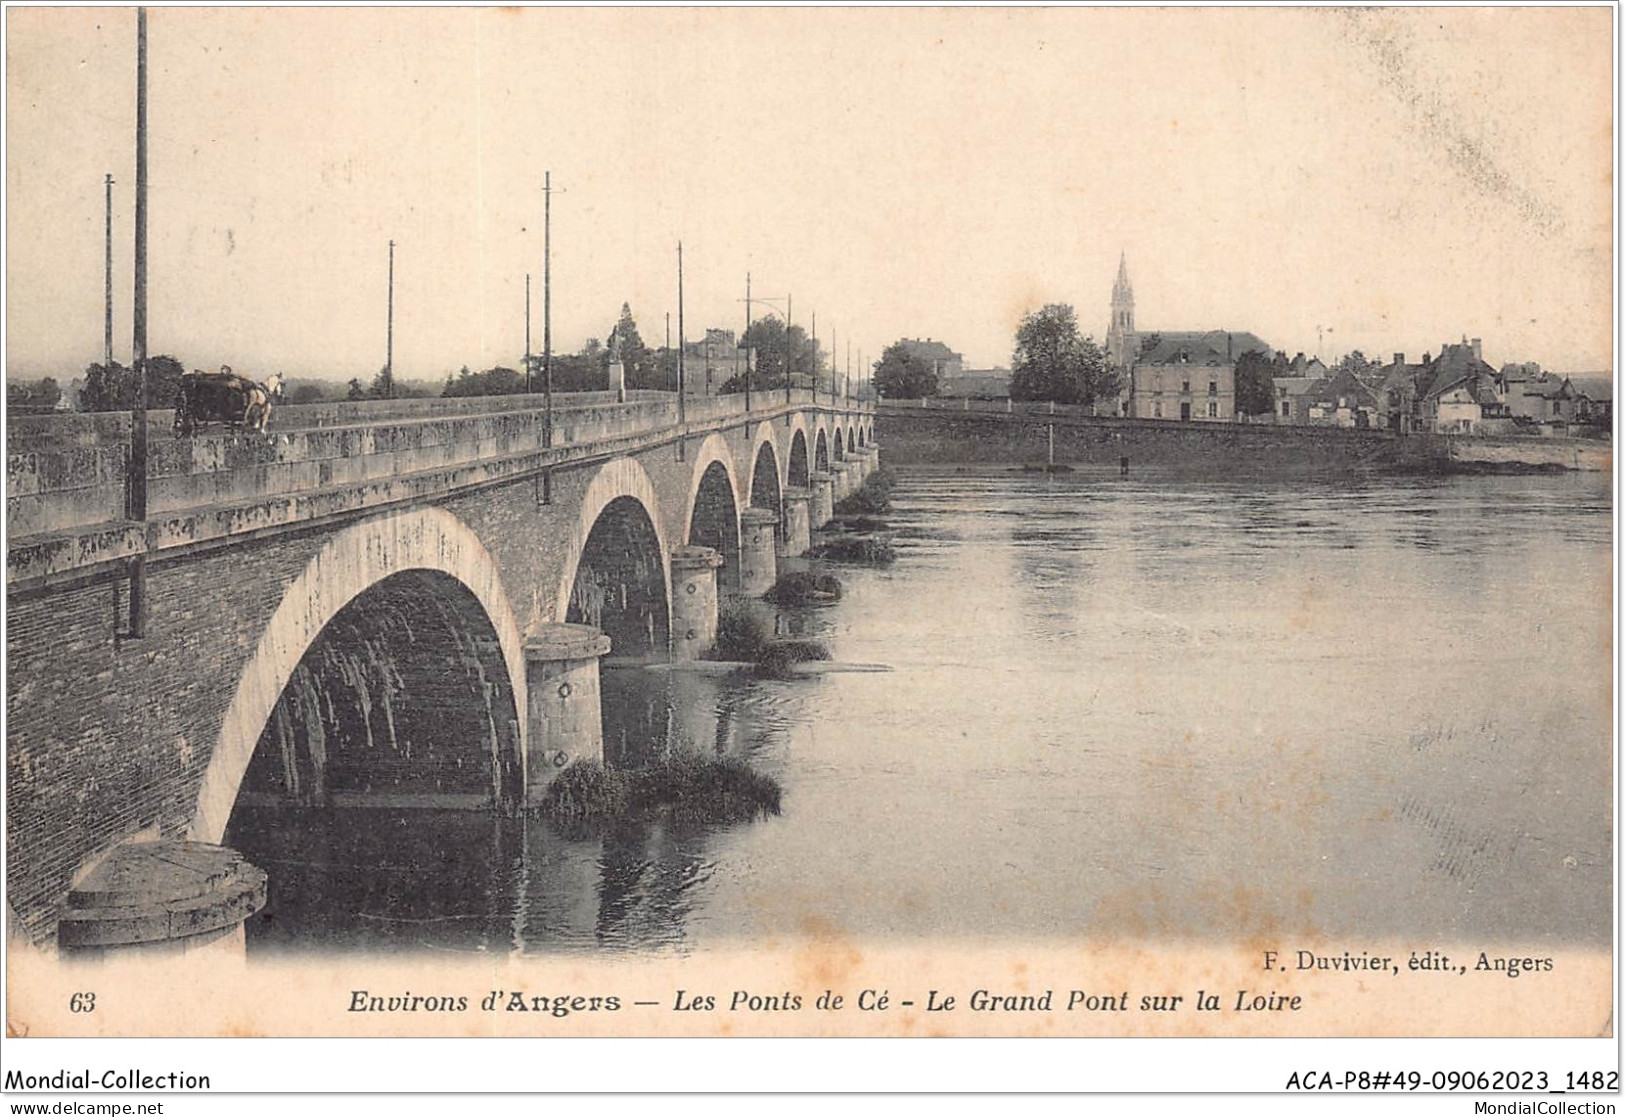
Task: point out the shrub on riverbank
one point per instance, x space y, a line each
803 587
685 788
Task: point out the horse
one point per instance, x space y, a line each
221 397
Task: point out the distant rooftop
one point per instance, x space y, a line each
1199 347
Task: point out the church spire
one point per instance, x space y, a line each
1120 339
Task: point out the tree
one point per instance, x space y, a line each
1052 361
777 351
1097 379
32 395
307 393
585 371
901 374
1357 363
1255 383
498 381
112 387
356 392
626 343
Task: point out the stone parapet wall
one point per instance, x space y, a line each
942 437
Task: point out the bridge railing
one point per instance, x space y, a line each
75 475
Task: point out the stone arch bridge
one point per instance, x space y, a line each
389 603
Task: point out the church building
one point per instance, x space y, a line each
1185 375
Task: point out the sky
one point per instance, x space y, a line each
1375 179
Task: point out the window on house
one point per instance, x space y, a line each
1212 387
1156 410
1286 409
1185 387
1213 409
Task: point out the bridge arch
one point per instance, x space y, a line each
839 442
797 470
620 499
765 488
821 452
711 516
348 565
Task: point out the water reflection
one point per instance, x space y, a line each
1116 709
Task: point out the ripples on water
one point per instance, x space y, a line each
1117 709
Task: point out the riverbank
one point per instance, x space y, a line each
1217 450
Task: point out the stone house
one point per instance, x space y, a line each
975 383
1189 376
1290 408
1544 399
947 364
1340 400
1593 400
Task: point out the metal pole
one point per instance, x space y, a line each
816 361
107 340
789 316
547 317
682 345
137 487
746 340
389 342
527 333
834 366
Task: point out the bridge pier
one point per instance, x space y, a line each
758 565
565 721
162 898
797 521
823 498
844 485
693 601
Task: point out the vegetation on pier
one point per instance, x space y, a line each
804 587
855 535
744 636
875 549
685 788
872 499
856 524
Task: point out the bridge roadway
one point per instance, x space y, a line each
396 602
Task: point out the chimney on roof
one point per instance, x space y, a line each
1478 349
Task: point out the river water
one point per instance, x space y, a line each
1115 709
